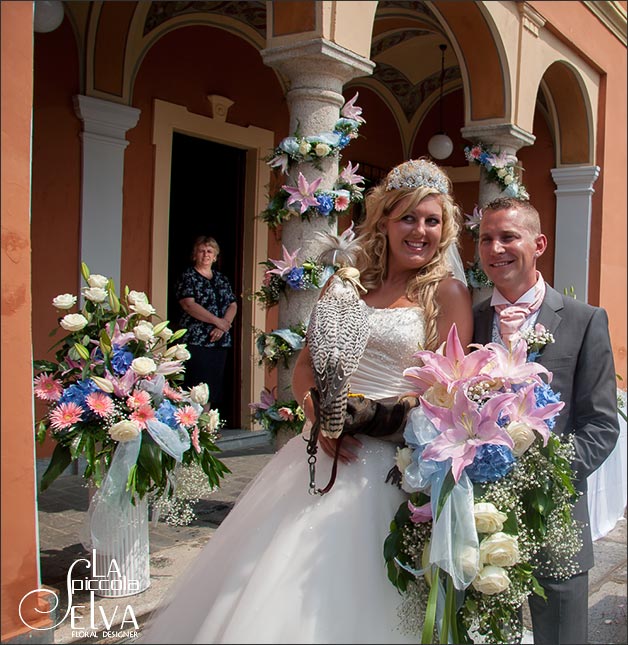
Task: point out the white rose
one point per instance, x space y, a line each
469 562
491 580
487 518
502 172
73 322
136 297
200 393
403 458
143 309
64 301
438 395
322 150
508 179
97 281
143 331
179 352
95 294
499 549
522 435
165 333
143 365
304 148
213 421
124 430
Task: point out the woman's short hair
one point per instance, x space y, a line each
204 240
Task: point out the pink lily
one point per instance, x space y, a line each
122 386
511 366
448 366
420 514
349 176
473 221
303 193
464 428
351 111
283 267
267 400
525 410
169 367
281 162
502 160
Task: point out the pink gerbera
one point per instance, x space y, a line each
100 404
65 416
286 413
143 414
172 394
194 439
341 203
186 416
48 388
138 399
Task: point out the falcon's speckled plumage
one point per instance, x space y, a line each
337 335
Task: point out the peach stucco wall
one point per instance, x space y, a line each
20 572
607 284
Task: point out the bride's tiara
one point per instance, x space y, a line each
417 173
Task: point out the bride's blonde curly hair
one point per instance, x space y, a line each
372 261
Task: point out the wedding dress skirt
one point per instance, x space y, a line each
289 567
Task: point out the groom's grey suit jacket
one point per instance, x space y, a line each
581 361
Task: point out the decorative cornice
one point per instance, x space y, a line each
612 15
531 19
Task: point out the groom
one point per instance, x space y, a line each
581 360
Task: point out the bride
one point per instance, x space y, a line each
289 567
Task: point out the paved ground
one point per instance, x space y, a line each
62 510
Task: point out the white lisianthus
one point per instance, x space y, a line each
64 301
502 172
124 430
403 458
73 322
95 294
143 331
522 435
499 549
97 281
438 395
322 149
304 148
508 179
491 580
143 365
487 518
143 309
136 297
103 383
213 420
200 393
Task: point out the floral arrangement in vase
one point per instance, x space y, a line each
500 168
279 345
275 415
114 393
490 487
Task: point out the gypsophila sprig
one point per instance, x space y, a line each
500 168
114 389
476 276
536 338
491 492
276 415
279 345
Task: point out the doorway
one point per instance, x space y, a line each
207 198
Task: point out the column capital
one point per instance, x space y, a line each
105 118
317 63
503 135
575 179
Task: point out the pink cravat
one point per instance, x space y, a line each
511 317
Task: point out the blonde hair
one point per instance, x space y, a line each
203 240
373 258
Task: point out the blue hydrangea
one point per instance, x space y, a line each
121 360
545 395
78 392
484 157
165 413
491 463
344 141
296 278
325 204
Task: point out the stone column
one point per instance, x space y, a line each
504 137
316 71
574 189
105 125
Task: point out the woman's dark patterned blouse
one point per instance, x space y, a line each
215 294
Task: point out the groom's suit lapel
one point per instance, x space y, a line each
551 318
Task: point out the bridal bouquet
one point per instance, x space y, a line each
490 487
114 397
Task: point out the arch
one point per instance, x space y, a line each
571 112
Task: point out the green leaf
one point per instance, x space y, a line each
392 546
41 431
537 589
60 460
430 613
445 491
44 366
150 460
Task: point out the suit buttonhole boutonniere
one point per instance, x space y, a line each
536 338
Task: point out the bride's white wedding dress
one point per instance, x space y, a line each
289 567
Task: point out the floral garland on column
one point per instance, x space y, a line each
305 200
501 169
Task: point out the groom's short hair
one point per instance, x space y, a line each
529 214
